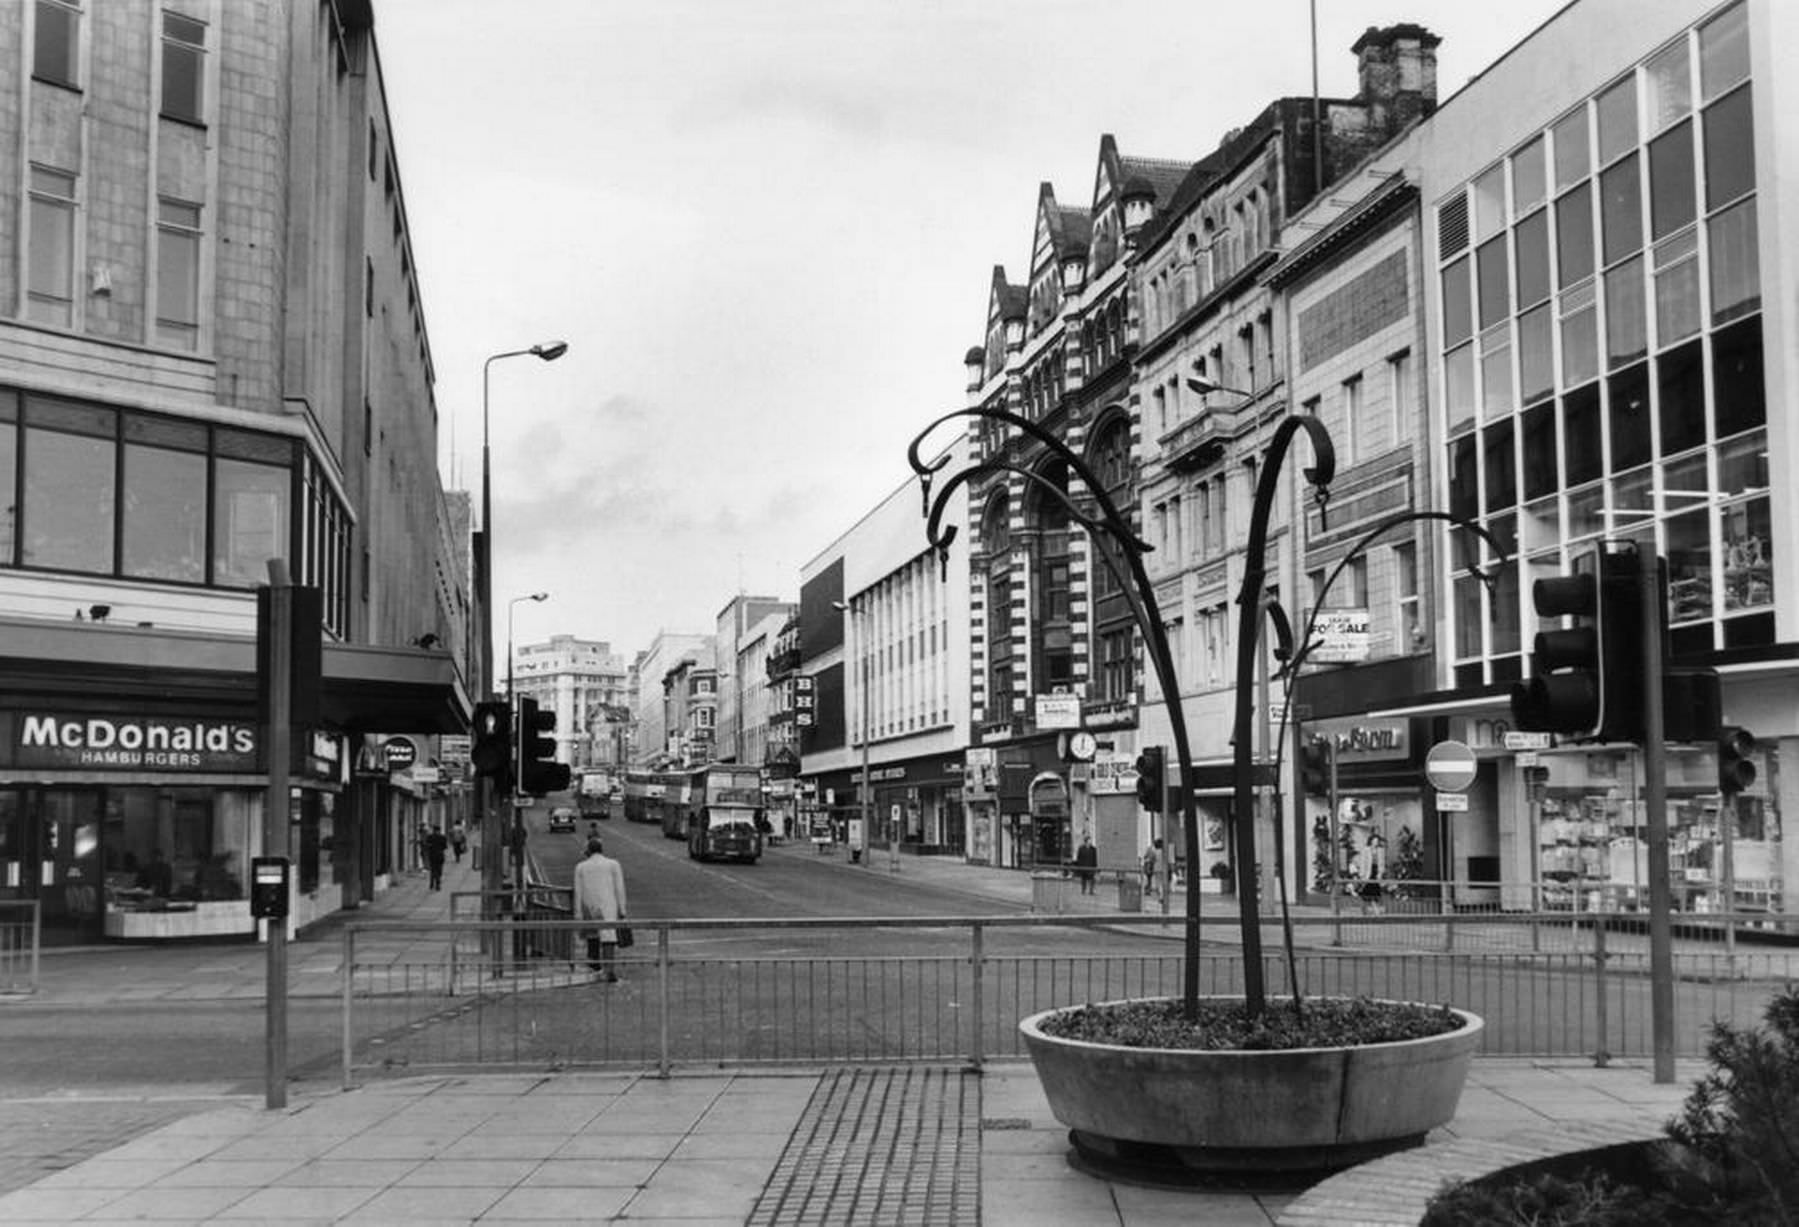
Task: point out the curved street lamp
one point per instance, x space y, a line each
548 351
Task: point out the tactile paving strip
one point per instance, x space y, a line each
880 1148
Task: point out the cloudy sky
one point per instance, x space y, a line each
766 229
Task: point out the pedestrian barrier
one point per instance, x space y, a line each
21 930
707 993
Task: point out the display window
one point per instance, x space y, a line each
1592 834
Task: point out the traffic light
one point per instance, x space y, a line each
1587 680
491 751
1735 770
1150 779
1315 768
538 770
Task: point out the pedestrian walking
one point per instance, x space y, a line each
1086 864
459 840
600 895
436 844
1149 872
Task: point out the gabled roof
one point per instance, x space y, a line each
1005 301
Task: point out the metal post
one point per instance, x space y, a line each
662 1055
1655 798
279 634
978 963
347 985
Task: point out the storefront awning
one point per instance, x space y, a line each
364 689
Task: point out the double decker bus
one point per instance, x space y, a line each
722 806
643 796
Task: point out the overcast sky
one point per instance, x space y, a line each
766 229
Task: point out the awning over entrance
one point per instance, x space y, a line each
364 689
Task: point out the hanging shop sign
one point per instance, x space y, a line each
399 753
72 741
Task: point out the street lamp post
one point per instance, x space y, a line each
548 351
511 605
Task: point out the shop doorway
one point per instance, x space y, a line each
50 851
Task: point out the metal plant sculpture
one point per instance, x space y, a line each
1122 551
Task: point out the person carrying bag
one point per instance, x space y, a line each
600 895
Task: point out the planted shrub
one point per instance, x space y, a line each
1323 1022
1732 1155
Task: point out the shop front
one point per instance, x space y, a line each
1379 841
132 795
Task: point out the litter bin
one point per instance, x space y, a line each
1130 893
1049 892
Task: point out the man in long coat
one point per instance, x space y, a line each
600 895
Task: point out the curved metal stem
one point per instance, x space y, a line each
1145 608
1249 601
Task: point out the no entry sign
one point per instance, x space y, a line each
1449 766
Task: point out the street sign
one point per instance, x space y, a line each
1452 802
1450 766
1515 740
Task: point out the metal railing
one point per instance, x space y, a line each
21 934
713 992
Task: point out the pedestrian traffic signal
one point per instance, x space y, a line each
1587 679
538 771
1736 771
1315 768
1151 779
491 751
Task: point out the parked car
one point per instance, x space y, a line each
562 818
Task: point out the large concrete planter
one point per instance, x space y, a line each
1235 1110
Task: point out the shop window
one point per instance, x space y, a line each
1729 149
1501 467
1528 178
1735 262
1458 384
1464 479
1739 396
1538 438
1626 319
1495 291
164 505
1580 334
1573 156
1458 316
1689 557
1532 241
1574 236
250 521
1617 116
1723 51
1620 210
1748 557
1496 371
70 492
1680 384
1489 203
1536 356
1668 80
1628 398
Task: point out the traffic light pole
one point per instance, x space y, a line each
1655 798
